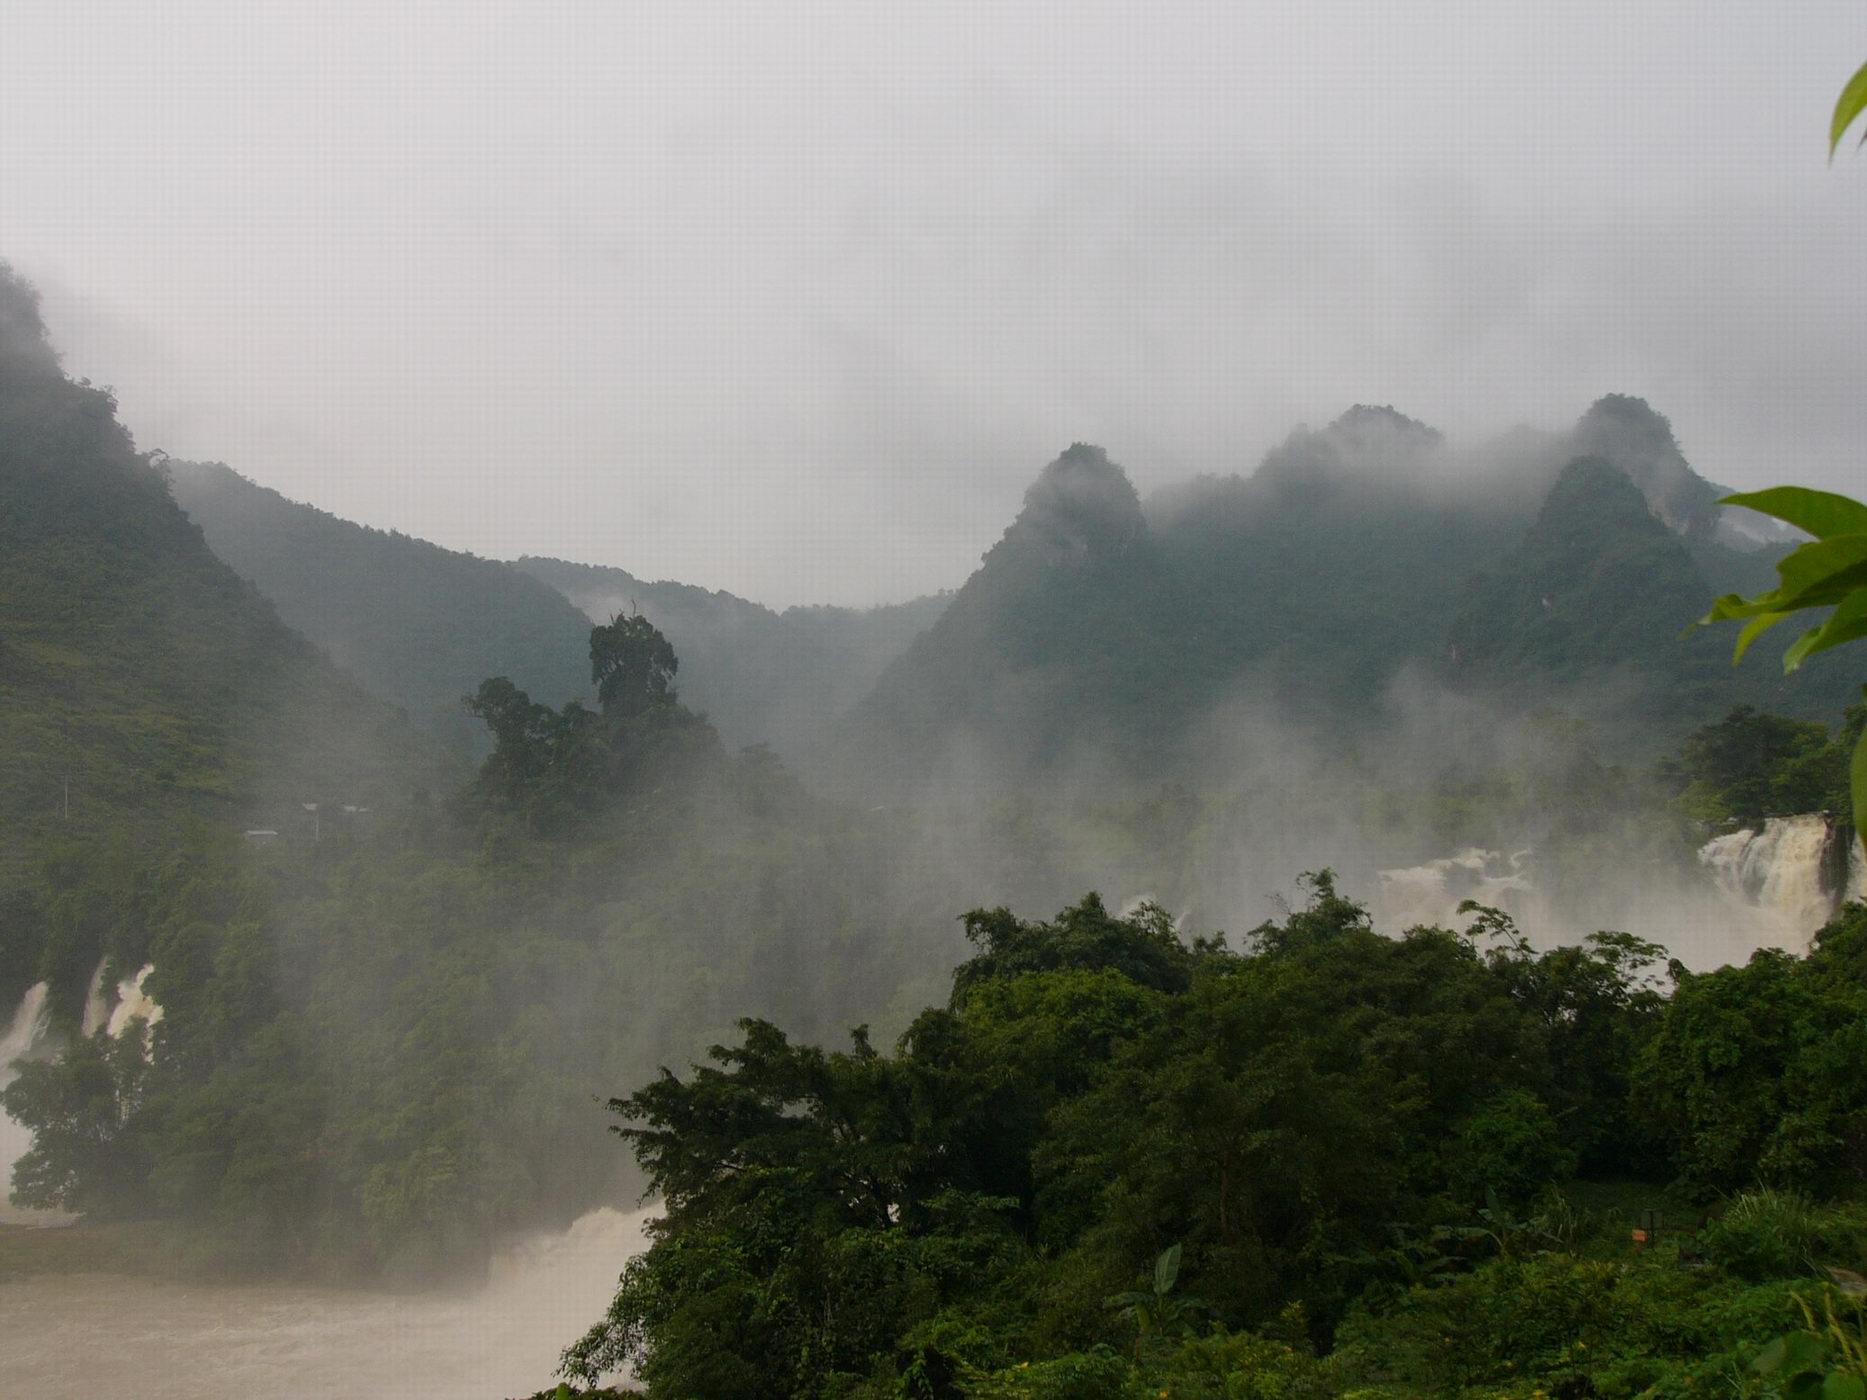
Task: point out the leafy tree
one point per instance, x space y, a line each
1754 1072
1751 765
632 666
1100 1099
86 1153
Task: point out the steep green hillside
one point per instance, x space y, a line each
419 625
1061 642
1589 609
1102 638
145 683
761 676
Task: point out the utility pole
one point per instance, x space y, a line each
317 823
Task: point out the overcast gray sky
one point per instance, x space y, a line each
794 299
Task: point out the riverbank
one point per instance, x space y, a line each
173 1333
133 1249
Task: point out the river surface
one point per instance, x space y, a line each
107 1337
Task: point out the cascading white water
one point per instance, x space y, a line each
23 1035
96 1009
1430 894
26 1033
1777 875
25 1030
134 1003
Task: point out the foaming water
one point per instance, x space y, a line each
26 1035
133 1003
181 1341
1777 873
1430 894
96 1008
1771 887
23 1034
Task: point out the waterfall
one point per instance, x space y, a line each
26 1029
1778 873
23 1034
134 1003
96 1009
26 1033
1429 895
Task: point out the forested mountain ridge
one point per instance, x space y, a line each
147 687
1104 636
1595 595
760 675
417 624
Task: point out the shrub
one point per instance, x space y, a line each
1764 1234
1511 1145
1099 1374
1768 1234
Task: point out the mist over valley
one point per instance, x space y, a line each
1000 726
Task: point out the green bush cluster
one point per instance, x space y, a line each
1329 1163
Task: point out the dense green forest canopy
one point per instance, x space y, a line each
1117 1163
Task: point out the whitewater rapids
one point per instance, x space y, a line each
1770 886
18 1037
1779 872
153 1339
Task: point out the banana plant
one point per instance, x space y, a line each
1156 1313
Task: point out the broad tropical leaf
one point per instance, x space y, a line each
1819 513
1851 103
1847 623
1754 629
1167 1270
1820 574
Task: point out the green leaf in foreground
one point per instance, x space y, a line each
1847 623
1754 629
1851 103
1821 574
1819 513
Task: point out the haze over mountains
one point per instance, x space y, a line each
1376 649
422 626
1103 637
1102 631
782 678
419 625
146 683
